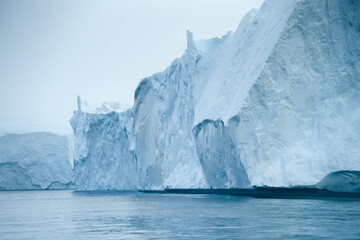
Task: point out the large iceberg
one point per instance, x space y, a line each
275 103
38 160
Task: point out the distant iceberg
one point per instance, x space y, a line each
35 161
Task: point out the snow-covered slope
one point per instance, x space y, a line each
275 103
35 161
240 60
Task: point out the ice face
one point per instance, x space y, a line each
34 161
163 120
275 103
301 118
217 154
104 158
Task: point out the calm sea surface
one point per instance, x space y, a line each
117 215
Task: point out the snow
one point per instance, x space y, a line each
240 60
275 103
35 161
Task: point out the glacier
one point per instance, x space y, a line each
39 160
275 103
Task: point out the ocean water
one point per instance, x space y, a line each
133 215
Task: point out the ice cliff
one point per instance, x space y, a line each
275 103
35 161
104 143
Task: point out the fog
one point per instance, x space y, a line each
52 51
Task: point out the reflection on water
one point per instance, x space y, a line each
130 215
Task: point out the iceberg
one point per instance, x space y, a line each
104 156
38 160
341 181
275 103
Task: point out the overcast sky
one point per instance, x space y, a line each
51 51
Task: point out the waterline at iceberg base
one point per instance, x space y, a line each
335 185
275 103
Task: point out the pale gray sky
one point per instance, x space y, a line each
51 51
